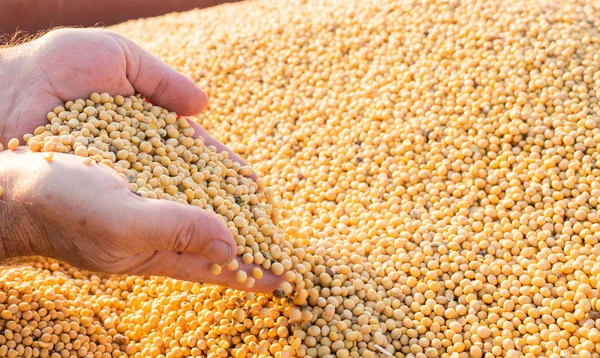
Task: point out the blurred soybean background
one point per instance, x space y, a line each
19 18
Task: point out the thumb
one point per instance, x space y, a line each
194 268
162 225
161 83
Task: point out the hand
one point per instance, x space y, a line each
88 217
68 64
103 227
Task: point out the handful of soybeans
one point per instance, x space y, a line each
158 153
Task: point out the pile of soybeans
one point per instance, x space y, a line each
435 164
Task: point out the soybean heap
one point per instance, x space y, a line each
436 161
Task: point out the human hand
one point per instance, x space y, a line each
67 64
88 217
70 64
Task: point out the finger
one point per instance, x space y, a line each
161 83
195 268
199 131
163 225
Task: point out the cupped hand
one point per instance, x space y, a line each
87 216
68 64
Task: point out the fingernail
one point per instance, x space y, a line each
218 252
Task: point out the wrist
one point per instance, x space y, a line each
11 76
17 227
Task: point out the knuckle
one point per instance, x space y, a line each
144 263
185 234
161 88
